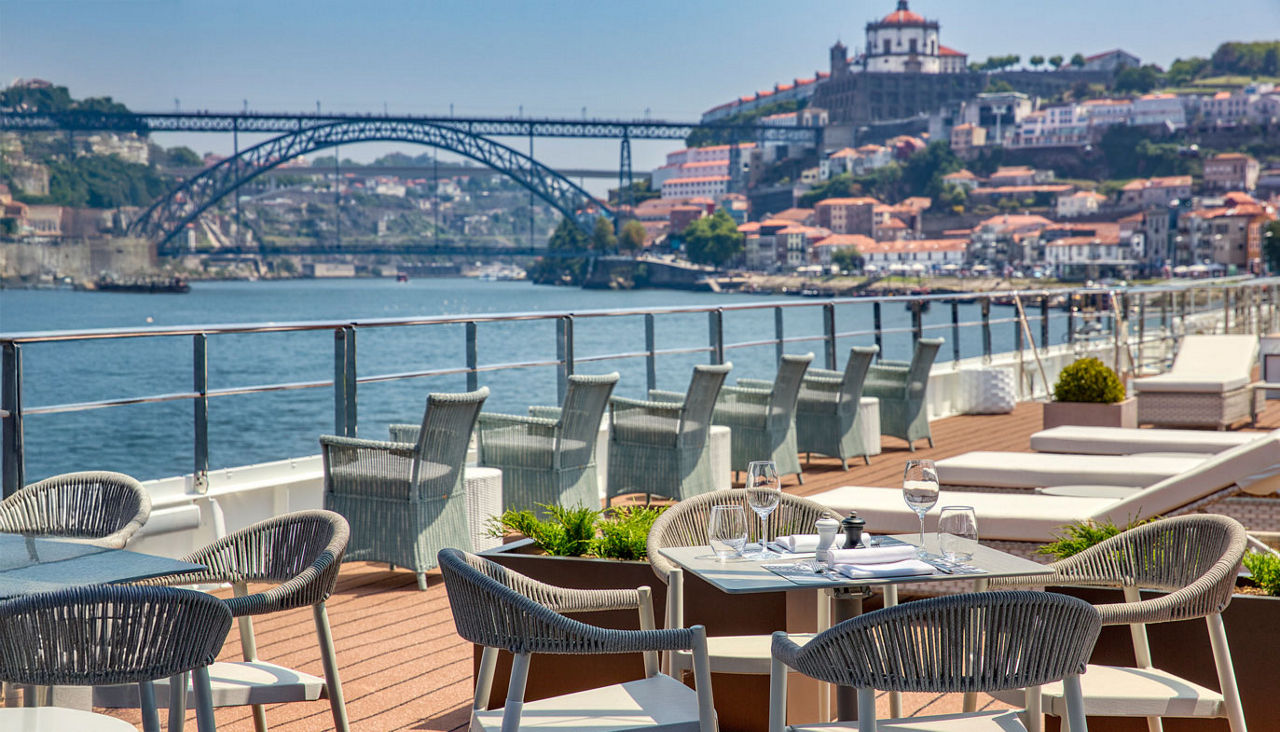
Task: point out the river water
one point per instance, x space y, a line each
155 440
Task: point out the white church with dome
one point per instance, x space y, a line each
905 42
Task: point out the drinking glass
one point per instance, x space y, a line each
920 491
957 533
764 492
727 531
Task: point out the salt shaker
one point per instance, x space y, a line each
827 528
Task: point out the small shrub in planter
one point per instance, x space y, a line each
1088 380
1264 571
1077 536
619 533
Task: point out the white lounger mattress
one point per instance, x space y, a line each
1037 469
1126 441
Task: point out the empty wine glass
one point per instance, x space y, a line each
957 533
727 531
920 491
764 492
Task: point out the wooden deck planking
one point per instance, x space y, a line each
404 668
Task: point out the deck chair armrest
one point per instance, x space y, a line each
663 408
764 384
659 395
368 468
493 420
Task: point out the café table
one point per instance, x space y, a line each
749 576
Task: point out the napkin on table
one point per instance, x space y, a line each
800 543
873 555
900 568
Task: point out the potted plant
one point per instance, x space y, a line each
1089 393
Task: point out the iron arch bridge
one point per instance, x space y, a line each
169 216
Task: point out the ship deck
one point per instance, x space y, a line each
404 668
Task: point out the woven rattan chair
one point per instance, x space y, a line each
960 643
763 420
550 457
827 410
299 555
685 524
100 508
405 500
901 389
499 609
662 447
109 634
1194 560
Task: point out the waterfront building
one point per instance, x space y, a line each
824 249
847 215
964 179
1229 234
930 254
1160 191
1080 203
711 161
1063 126
967 138
1231 172
1112 60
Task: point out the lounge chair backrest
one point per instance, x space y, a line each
443 438
700 400
1251 466
580 415
1216 356
786 387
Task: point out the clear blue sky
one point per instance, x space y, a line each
486 57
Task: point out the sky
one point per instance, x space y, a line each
666 59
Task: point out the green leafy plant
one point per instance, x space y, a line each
1264 569
624 533
620 533
1088 380
1080 535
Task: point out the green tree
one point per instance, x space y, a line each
180 157
568 235
1055 61
1036 61
1140 80
952 197
1183 71
712 239
996 86
1271 246
631 239
847 258
602 238
922 175
1077 60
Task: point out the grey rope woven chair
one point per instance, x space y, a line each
960 643
901 388
685 524
1194 560
661 447
109 634
300 554
550 457
499 609
827 410
764 420
405 500
98 507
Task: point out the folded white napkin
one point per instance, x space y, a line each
799 543
873 555
901 568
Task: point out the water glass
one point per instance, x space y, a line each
727 531
957 533
920 491
764 492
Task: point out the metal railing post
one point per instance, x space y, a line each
917 324
1044 322
200 385
1142 329
986 330
875 317
339 382
349 376
564 355
473 357
1071 318
715 325
1226 310
11 403
651 356
955 333
778 346
1017 334
829 333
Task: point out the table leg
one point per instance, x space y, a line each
847 604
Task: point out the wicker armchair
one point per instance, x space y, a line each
60 639
661 447
960 643
763 420
405 500
685 524
827 409
299 553
100 508
901 389
499 609
1194 559
550 457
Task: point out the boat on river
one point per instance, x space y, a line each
175 284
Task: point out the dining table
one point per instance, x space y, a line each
738 576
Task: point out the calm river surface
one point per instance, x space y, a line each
155 440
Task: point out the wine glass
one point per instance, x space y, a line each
764 492
957 533
920 491
727 531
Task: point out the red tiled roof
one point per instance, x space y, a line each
902 16
697 179
846 240
947 51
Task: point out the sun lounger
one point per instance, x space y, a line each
1034 470
1126 441
1207 386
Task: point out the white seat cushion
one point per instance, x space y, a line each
738 654
993 721
658 703
234 684
58 719
1090 491
1197 383
1126 441
1118 691
1206 363
1032 470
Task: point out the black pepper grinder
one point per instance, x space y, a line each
852 527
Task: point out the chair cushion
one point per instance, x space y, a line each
234 683
1032 470
1118 691
996 720
1125 440
1090 491
58 719
524 449
1190 382
739 654
659 703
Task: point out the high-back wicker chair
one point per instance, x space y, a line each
901 388
960 643
685 524
96 507
1193 560
763 420
827 409
299 555
405 500
662 447
500 609
109 634
549 457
